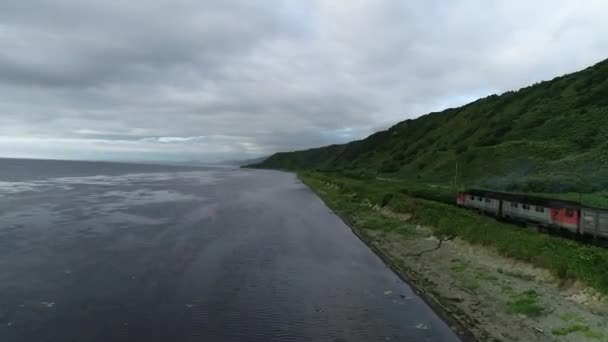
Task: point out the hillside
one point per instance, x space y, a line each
548 137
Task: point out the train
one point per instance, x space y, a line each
552 214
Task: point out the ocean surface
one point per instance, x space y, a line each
94 251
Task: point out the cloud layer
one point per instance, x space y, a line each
212 80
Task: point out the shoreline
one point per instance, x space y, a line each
480 293
407 276
461 329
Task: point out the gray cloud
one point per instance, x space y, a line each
212 80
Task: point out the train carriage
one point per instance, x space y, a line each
481 202
552 213
594 222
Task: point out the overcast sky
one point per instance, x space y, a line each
213 80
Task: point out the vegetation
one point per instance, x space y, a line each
577 324
551 137
525 303
582 328
517 274
359 202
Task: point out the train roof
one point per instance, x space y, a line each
522 198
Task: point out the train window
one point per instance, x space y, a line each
569 212
526 206
472 198
480 199
488 200
540 209
514 205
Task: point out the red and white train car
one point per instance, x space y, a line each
551 213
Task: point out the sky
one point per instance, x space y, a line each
201 80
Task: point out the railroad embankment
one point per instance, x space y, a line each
496 280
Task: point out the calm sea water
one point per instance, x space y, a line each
120 252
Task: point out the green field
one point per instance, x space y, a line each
446 192
357 200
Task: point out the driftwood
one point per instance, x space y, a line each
441 241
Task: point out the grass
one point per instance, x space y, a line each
458 266
482 274
507 289
525 303
471 284
577 324
582 328
570 317
358 200
516 274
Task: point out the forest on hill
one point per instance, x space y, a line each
548 137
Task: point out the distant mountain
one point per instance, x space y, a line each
243 162
551 136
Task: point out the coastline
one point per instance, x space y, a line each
462 329
480 294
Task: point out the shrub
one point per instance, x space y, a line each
501 131
585 141
386 199
461 148
389 166
469 157
399 156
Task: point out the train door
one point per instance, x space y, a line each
555 217
589 222
500 204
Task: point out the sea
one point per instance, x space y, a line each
99 251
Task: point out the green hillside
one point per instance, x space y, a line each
548 137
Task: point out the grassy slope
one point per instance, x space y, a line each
357 200
549 137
